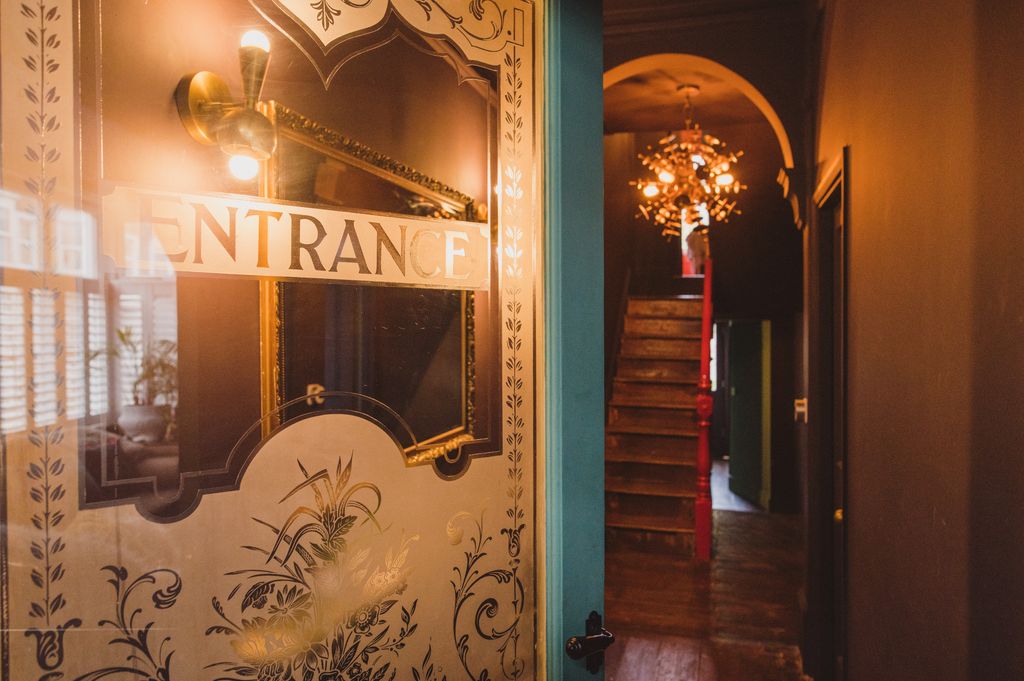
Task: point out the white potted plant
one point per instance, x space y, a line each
150 416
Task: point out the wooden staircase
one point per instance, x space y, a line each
651 436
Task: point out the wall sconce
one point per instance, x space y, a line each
212 116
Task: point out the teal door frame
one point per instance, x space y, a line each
573 326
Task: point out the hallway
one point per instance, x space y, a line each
735 619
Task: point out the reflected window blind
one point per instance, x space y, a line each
97 347
75 391
129 320
44 356
165 319
13 380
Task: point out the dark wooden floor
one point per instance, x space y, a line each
737 618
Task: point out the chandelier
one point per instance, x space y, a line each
693 179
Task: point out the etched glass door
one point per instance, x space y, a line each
267 365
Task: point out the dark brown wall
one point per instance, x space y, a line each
997 330
619 208
927 95
762 40
394 99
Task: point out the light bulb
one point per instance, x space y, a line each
666 177
697 160
705 215
256 39
650 190
725 179
244 167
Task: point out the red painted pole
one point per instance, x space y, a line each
702 505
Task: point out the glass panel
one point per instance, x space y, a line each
266 341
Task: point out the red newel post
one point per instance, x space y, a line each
702 507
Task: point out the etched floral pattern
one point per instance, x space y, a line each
472 573
147 659
47 549
470 581
322 605
42 42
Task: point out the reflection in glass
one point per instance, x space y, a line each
402 346
177 376
412 349
13 379
21 245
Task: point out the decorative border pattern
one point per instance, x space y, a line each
146 661
47 491
291 121
457 21
470 579
5 604
472 573
515 171
292 620
515 421
43 40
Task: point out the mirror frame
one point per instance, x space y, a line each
478 434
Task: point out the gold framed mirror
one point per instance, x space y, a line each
429 354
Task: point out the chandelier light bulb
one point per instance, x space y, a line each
256 39
690 180
702 212
243 167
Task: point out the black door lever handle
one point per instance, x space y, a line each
592 646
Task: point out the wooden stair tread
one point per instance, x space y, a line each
651 430
613 455
641 403
666 308
660 380
656 449
662 316
659 358
649 523
653 488
648 336
655 356
664 296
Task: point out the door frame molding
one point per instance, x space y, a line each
571 344
825 640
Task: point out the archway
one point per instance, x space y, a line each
696 64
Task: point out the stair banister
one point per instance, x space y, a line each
702 505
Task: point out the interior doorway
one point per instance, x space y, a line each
737 615
828 240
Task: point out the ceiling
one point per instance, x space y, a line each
650 102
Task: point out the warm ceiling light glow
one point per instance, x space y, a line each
256 39
692 182
244 167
